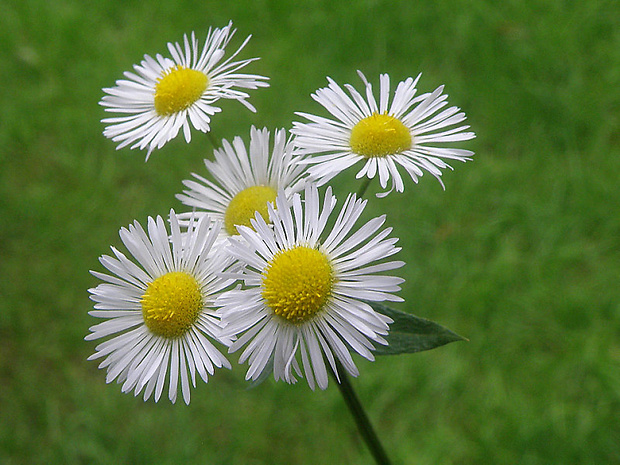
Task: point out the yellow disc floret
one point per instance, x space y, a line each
244 206
178 89
379 135
297 283
171 304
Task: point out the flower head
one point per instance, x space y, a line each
168 94
159 310
245 181
304 295
380 135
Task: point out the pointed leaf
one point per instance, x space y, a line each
409 333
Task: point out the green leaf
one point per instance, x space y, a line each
409 333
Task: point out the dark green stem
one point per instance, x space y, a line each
363 187
360 417
214 142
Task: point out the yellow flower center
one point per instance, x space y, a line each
178 89
171 304
244 206
297 283
379 135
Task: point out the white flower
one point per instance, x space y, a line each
382 136
245 182
159 310
168 94
303 295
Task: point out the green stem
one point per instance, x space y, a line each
360 417
363 187
214 142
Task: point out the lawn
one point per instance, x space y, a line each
520 254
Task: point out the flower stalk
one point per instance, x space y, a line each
359 415
363 187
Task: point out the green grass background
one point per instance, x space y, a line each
520 253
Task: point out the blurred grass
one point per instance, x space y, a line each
520 254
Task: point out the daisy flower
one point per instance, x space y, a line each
245 181
381 135
304 296
159 308
167 94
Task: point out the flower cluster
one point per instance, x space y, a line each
262 261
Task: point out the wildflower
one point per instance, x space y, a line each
380 135
168 94
245 181
160 309
304 296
